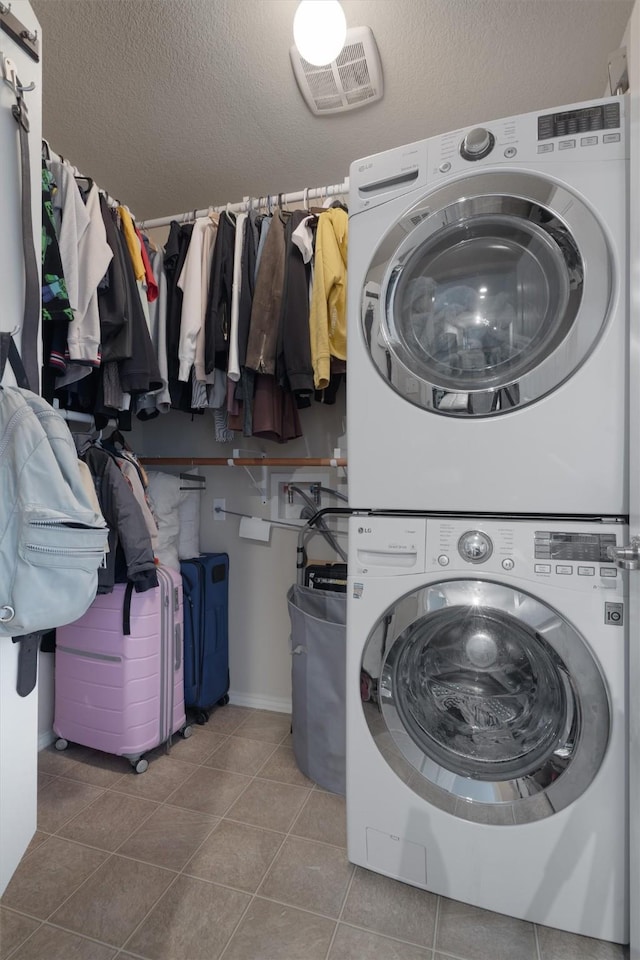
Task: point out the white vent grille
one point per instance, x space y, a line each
352 80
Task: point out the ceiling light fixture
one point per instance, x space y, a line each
319 30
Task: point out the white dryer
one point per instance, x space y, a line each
487 318
486 742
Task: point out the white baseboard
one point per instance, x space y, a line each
277 704
44 739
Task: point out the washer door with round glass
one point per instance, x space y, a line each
490 704
487 295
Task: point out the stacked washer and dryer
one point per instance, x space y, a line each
487 413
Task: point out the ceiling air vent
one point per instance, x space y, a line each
352 80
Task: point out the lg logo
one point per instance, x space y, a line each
364 529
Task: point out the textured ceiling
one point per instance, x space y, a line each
175 104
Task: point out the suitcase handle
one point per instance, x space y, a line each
178 647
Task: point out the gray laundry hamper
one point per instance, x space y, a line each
318 671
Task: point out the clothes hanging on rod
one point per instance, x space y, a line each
223 319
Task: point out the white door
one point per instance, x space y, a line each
18 716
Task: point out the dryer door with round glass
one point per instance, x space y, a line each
487 295
492 706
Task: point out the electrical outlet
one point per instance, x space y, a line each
219 505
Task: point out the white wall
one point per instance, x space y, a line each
18 715
260 573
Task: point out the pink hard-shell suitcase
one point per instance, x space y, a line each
119 672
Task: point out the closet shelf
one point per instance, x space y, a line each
245 461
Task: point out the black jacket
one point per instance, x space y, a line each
128 534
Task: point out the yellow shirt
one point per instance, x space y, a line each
328 318
133 244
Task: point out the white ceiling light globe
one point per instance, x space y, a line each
319 30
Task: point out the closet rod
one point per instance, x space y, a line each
246 461
52 155
248 203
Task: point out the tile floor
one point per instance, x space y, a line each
223 850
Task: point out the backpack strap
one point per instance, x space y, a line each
126 610
27 662
9 351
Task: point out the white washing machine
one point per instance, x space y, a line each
487 318
486 739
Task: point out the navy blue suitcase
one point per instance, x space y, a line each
205 581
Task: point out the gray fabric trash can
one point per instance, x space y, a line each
318 670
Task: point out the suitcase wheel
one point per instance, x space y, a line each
61 743
140 765
202 717
186 732
223 701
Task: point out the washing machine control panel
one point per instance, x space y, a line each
574 556
583 132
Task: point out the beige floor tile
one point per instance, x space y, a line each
210 791
54 944
169 837
324 818
558 945
108 821
483 935
271 931
56 762
268 804
223 720
44 779
14 928
236 855
38 838
49 875
193 921
353 944
265 725
162 777
111 904
198 747
94 766
62 800
391 908
241 755
310 875
281 765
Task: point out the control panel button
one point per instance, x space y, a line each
444 167
542 568
545 148
611 138
475 546
508 564
564 569
608 572
443 560
586 571
566 145
588 141
510 152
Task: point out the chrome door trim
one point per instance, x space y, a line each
573 752
571 233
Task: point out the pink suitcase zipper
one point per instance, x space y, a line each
121 692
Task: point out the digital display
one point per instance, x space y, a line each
581 547
605 116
